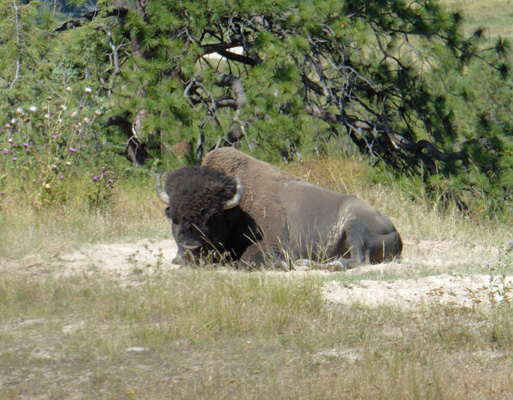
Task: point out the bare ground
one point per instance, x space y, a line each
435 265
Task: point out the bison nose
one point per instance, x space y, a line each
190 244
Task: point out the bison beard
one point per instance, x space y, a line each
238 207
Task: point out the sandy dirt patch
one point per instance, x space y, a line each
127 261
468 291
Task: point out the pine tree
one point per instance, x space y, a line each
386 77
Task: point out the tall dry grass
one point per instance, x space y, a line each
131 212
221 334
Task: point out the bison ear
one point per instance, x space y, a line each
237 197
161 193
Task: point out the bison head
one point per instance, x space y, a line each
202 205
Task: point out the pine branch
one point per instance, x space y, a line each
120 13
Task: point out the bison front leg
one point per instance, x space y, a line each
256 257
179 259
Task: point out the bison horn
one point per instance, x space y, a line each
237 197
161 193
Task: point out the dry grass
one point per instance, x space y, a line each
218 335
27 230
221 334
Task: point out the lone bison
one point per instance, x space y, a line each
251 211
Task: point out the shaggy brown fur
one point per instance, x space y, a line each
290 212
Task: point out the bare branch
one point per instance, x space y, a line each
18 44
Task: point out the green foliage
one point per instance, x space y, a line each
307 75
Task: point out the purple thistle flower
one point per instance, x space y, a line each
13 144
111 181
72 150
96 178
2 193
28 150
6 152
51 112
510 243
80 107
24 177
25 145
15 158
61 177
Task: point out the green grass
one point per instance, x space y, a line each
494 15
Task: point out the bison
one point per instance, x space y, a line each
235 205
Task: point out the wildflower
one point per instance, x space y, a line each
13 144
25 145
80 107
61 177
63 107
68 163
33 109
6 152
27 151
47 116
57 101
8 125
14 121
2 193
49 98
111 181
45 108
54 136
510 243
24 177
20 111
74 114
72 150
68 89
88 90
86 120
51 112
15 158
98 113
95 178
